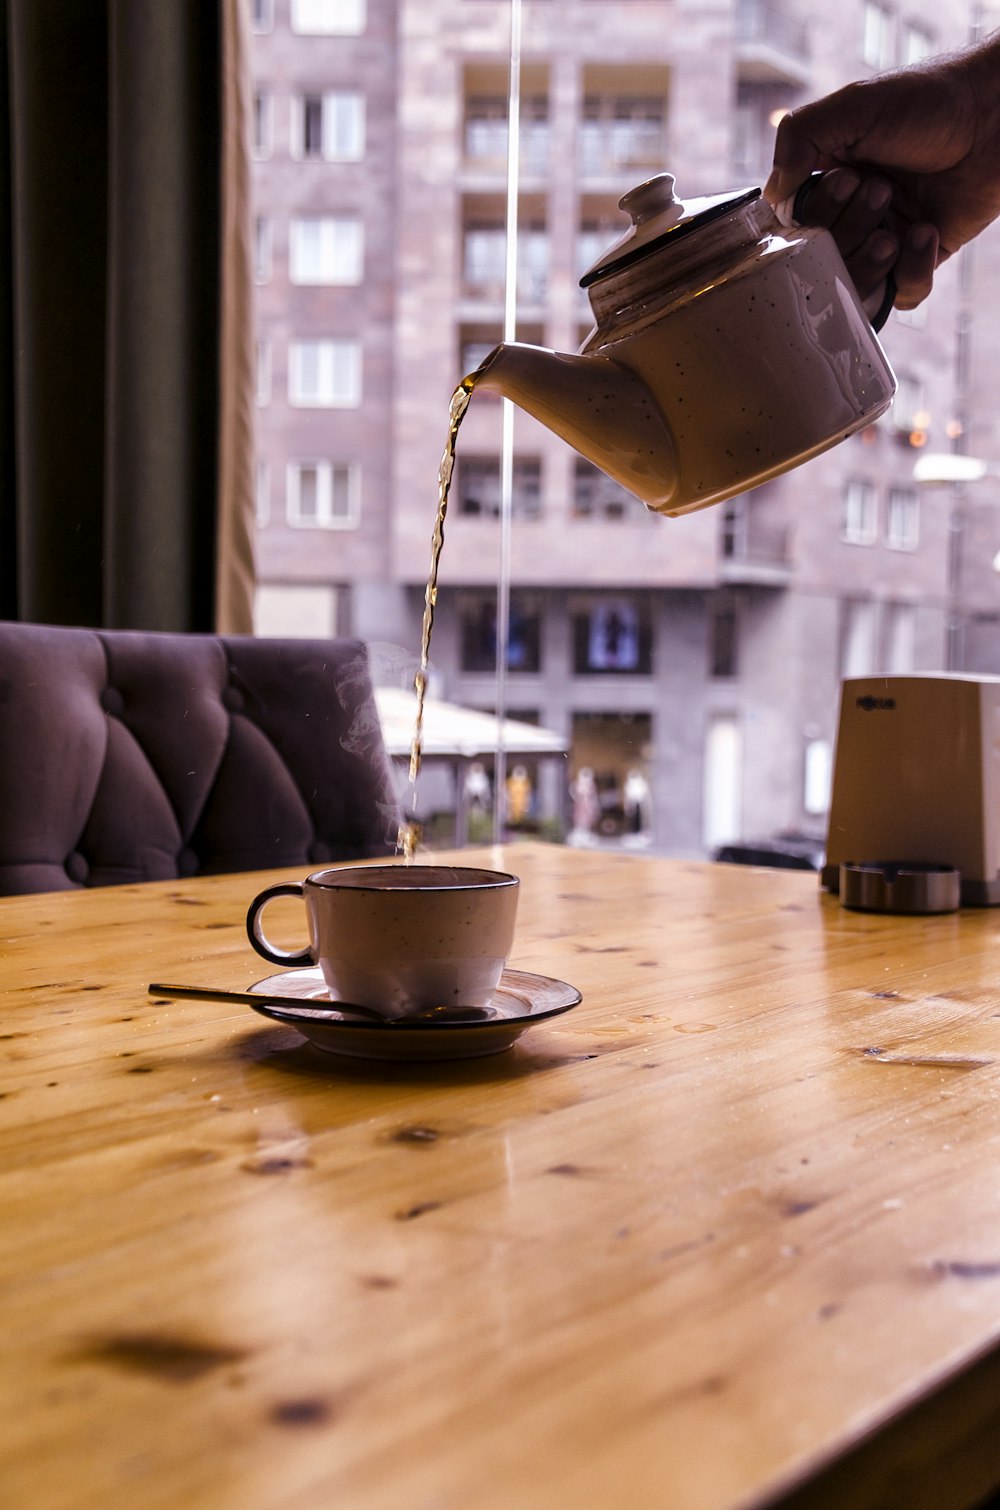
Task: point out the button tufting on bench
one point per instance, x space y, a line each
121 746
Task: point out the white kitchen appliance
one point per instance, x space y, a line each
917 779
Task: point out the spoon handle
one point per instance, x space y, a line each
255 998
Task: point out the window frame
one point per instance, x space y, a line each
325 517
329 274
324 395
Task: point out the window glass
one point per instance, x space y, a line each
326 249
262 15
478 486
379 253
723 642
262 494
262 123
612 636
857 637
324 493
329 126
860 522
817 777
877 35
328 17
597 496
262 364
901 632
261 248
478 632
903 521
918 42
619 132
325 373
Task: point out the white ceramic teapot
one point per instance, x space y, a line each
728 348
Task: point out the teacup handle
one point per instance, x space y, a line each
255 929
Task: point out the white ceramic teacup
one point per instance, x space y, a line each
400 938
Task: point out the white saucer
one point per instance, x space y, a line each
521 1000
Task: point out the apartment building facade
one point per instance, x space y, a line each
698 659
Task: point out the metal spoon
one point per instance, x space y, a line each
258 998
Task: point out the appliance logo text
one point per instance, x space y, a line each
873 704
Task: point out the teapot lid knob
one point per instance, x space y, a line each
649 200
659 218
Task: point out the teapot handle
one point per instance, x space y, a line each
884 309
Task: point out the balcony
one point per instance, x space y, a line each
485 150
753 553
772 47
622 149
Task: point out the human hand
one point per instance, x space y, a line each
930 135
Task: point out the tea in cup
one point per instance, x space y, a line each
400 939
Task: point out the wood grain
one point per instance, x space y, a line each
727 1235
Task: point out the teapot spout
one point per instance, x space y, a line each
599 406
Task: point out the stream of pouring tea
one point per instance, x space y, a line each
406 839
409 830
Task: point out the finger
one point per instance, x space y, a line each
823 196
861 214
914 270
872 260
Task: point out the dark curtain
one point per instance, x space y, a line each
125 365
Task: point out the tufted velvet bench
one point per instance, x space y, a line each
129 756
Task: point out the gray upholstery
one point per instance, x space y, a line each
138 757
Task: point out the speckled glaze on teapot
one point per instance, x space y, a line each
727 349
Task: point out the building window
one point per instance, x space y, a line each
816 777
900 638
486 132
330 126
486 129
263 124
723 637
261 15
618 133
325 374
597 496
262 494
262 373
261 248
478 635
860 520
485 261
876 36
857 637
478 487
918 43
326 249
902 532
328 18
908 412
324 494
612 635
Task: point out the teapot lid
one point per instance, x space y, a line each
658 216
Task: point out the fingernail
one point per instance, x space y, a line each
877 195
882 247
921 237
843 186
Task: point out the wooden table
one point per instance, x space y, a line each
726 1235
